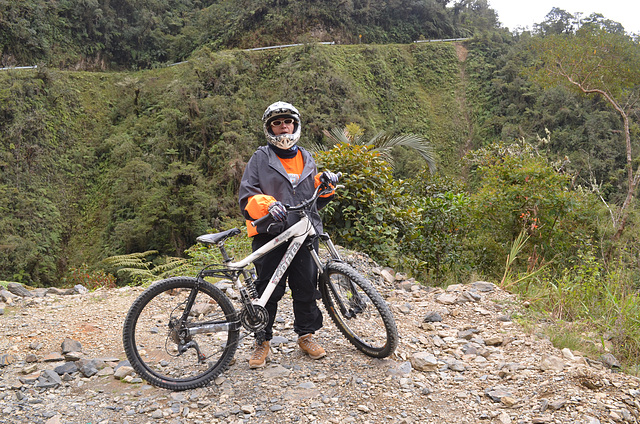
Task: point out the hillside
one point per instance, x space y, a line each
98 164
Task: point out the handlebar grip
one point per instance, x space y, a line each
260 220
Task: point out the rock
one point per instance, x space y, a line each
30 369
388 275
123 371
276 371
424 361
80 289
568 355
497 393
557 404
48 379
484 287
432 317
610 361
60 292
7 297
30 358
66 368
447 298
73 356
90 367
53 357
470 296
400 370
56 419
551 363
19 290
496 340
69 345
6 359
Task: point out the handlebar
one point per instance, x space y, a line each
323 188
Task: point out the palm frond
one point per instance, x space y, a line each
384 143
337 135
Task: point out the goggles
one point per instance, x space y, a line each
278 122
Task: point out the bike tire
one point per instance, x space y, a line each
373 329
147 340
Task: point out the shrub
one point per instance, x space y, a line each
517 189
91 279
366 212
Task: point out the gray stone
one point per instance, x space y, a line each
80 289
483 286
471 296
66 368
19 290
432 317
6 359
48 379
467 334
276 371
90 367
497 393
70 345
60 292
278 340
8 297
457 366
610 361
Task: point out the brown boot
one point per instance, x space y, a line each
260 355
309 346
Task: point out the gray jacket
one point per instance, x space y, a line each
265 174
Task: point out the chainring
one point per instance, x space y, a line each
258 323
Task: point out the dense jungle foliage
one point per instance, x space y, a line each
536 175
133 34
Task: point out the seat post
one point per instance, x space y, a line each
225 257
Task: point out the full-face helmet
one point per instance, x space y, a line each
281 110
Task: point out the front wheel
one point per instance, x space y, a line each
358 310
180 356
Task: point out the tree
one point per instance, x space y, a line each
597 62
557 21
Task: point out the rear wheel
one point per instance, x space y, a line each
152 337
358 310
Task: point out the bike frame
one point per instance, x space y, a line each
297 233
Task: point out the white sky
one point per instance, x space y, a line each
521 13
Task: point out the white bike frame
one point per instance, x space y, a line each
297 233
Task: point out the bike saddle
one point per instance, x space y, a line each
217 237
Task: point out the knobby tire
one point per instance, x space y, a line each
372 328
153 353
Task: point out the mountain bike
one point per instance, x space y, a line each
182 332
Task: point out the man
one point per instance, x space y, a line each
277 174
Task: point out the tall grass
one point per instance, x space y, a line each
589 298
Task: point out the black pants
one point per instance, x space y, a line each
302 275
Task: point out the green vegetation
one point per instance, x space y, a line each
536 152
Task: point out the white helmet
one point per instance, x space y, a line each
281 110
